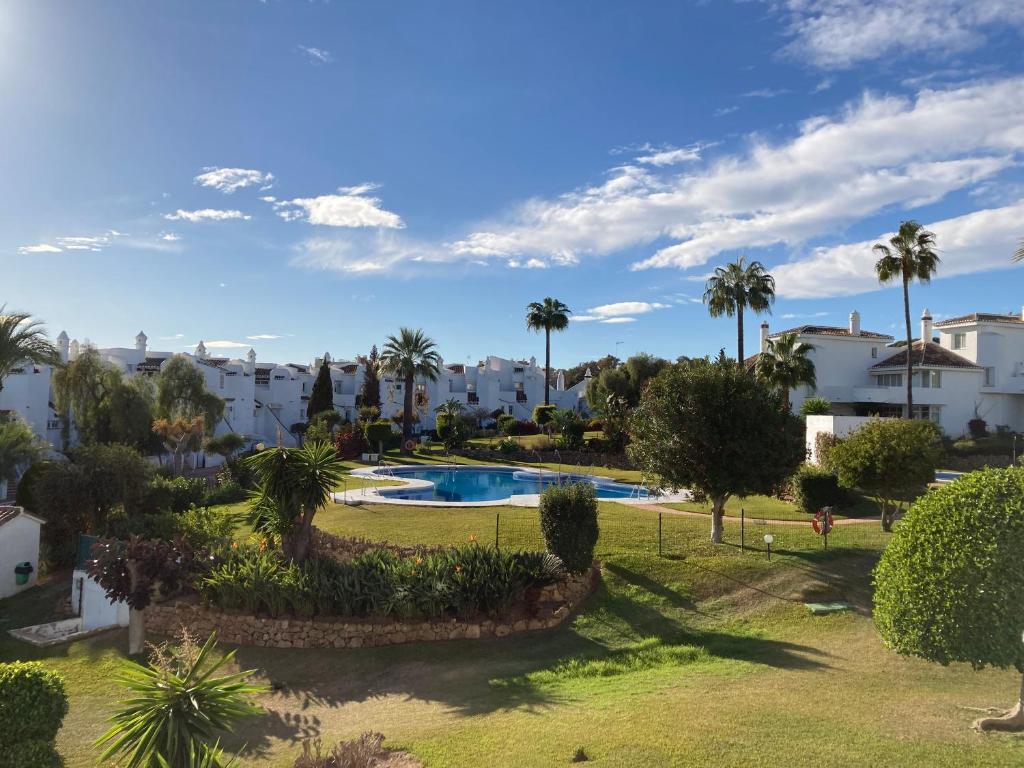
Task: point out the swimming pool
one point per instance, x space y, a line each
488 484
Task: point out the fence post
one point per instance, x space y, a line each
743 529
497 527
659 534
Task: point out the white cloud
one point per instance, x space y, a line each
223 344
173 338
765 93
838 34
317 55
618 312
879 152
670 155
230 180
170 237
265 336
725 111
206 214
351 207
974 242
367 252
39 248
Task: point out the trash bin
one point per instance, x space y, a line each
21 572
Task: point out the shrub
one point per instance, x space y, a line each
595 425
174 494
24 496
568 520
507 446
815 488
824 442
570 428
816 406
542 414
949 586
365 752
379 434
505 423
33 703
524 428
977 427
226 493
351 443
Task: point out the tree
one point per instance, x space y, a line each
785 364
713 429
23 340
178 704
626 381
949 586
574 375
132 571
548 315
227 445
736 286
181 393
19 447
131 405
409 355
179 435
293 485
453 426
82 391
371 380
889 459
910 255
570 427
321 399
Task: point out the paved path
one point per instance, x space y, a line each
760 520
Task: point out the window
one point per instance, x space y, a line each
874 352
929 379
890 380
517 370
222 381
929 412
959 340
990 377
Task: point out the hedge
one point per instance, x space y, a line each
814 488
33 703
568 520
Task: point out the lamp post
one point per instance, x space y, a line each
768 539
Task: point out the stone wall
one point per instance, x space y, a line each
551 607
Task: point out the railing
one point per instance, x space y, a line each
384 470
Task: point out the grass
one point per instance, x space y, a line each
777 509
705 656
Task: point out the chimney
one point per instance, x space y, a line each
250 362
926 326
764 336
74 350
201 350
63 346
560 381
140 342
855 323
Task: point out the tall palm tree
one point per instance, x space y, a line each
548 315
911 254
736 286
785 364
410 354
23 340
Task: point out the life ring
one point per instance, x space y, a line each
410 445
822 522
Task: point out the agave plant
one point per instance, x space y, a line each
176 711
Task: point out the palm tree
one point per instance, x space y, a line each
736 286
22 340
910 254
294 484
1018 255
410 354
785 364
548 315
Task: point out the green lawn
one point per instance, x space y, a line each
703 657
776 509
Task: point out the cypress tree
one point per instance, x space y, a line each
371 384
322 397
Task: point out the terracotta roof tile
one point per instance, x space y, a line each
829 330
980 317
933 356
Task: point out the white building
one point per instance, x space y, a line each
264 400
974 370
19 544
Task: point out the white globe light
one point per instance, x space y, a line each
768 538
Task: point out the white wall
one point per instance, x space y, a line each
97 611
19 541
840 426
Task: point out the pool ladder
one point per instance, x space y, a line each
384 470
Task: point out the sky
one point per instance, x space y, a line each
303 176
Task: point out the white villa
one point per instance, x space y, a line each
963 368
264 400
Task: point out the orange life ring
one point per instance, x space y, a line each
410 445
822 522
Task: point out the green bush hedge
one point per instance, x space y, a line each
174 494
33 703
379 433
463 581
506 423
568 520
814 488
542 414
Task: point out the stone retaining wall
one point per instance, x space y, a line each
553 605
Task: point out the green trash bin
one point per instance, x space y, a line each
22 572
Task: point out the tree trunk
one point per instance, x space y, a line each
1011 721
739 334
547 364
407 415
910 349
136 631
296 544
888 513
717 515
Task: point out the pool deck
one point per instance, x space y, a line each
392 494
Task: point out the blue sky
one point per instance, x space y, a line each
308 176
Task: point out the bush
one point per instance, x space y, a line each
463 581
380 434
507 446
815 488
542 414
977 428
226 493
568 520
524 428
365 752
595 425
24 497
351 443
33 703
824 442
505 423
174 495
816 406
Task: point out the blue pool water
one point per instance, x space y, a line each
468 484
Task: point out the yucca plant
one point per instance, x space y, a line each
177 708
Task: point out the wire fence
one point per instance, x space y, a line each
672 533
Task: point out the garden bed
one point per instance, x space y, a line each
551 606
